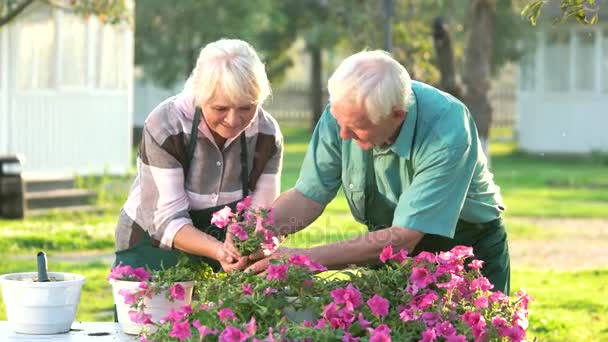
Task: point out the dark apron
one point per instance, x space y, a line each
489 240
145 253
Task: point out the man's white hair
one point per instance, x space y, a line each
374 80
231 66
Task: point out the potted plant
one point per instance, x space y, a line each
142 297
36 307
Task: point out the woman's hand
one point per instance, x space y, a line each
229 261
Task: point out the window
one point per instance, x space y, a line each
112 57
584 56
73 52
35 54
557 61
605 61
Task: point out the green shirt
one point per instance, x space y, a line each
434 174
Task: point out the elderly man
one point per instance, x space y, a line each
409 161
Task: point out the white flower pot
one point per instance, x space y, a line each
41 308
158 306
296 314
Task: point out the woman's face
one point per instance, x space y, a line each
228 119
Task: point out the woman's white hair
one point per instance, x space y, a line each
374 80
231 66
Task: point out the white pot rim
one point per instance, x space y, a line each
125 282
17 279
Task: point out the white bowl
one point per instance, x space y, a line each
41 308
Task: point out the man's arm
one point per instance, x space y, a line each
293 211
362 250
365 249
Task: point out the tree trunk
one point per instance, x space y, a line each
478 57
445 58
316 85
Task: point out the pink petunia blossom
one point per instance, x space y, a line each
270 291
386 254
172 316
186 309
251 327
456 338
232 334
461 252
348 337
140 317
400 256
177 292
516 334
244 204
350 297
481 283
381 334
278 272
407 315
127 272
428 335
445 329
378 306
221 217
303 260
481 302
420 277
226 314
424 256
130 297
203 330
181 330
247 289
238 231
476 264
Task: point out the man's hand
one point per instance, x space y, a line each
262 264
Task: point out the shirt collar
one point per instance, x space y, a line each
403 144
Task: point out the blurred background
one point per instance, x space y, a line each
78 79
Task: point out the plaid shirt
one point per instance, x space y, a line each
161 195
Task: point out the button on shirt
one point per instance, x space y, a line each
434 173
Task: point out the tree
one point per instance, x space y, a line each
110 11
584 11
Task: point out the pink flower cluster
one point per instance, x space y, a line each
429 297
248 225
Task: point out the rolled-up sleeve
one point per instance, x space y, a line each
433 201
163 210
321 170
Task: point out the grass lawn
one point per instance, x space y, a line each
569 305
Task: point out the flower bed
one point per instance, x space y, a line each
430 297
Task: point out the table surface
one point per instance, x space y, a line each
80 332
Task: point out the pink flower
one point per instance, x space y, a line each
363 322
516 333
350 297
461 252
498 297
445 329
140 317
247 289
232 334
348 337
378 306
420 277
481 283
407 315
130 297
424 256
481 302
226 314
400 256
203 330
476 264
429 335
251 327
186 309
456 338
239 232
278 272
303 260
244 204
128 273
181 330
425 300
381 334
269 291
269 218
172 316
177 292
386 254
221 217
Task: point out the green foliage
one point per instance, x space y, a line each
584 11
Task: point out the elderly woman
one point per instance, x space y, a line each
208 147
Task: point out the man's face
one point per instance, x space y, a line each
355 124
228 119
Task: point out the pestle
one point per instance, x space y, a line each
42 273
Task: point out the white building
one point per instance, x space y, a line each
66 93
562 100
